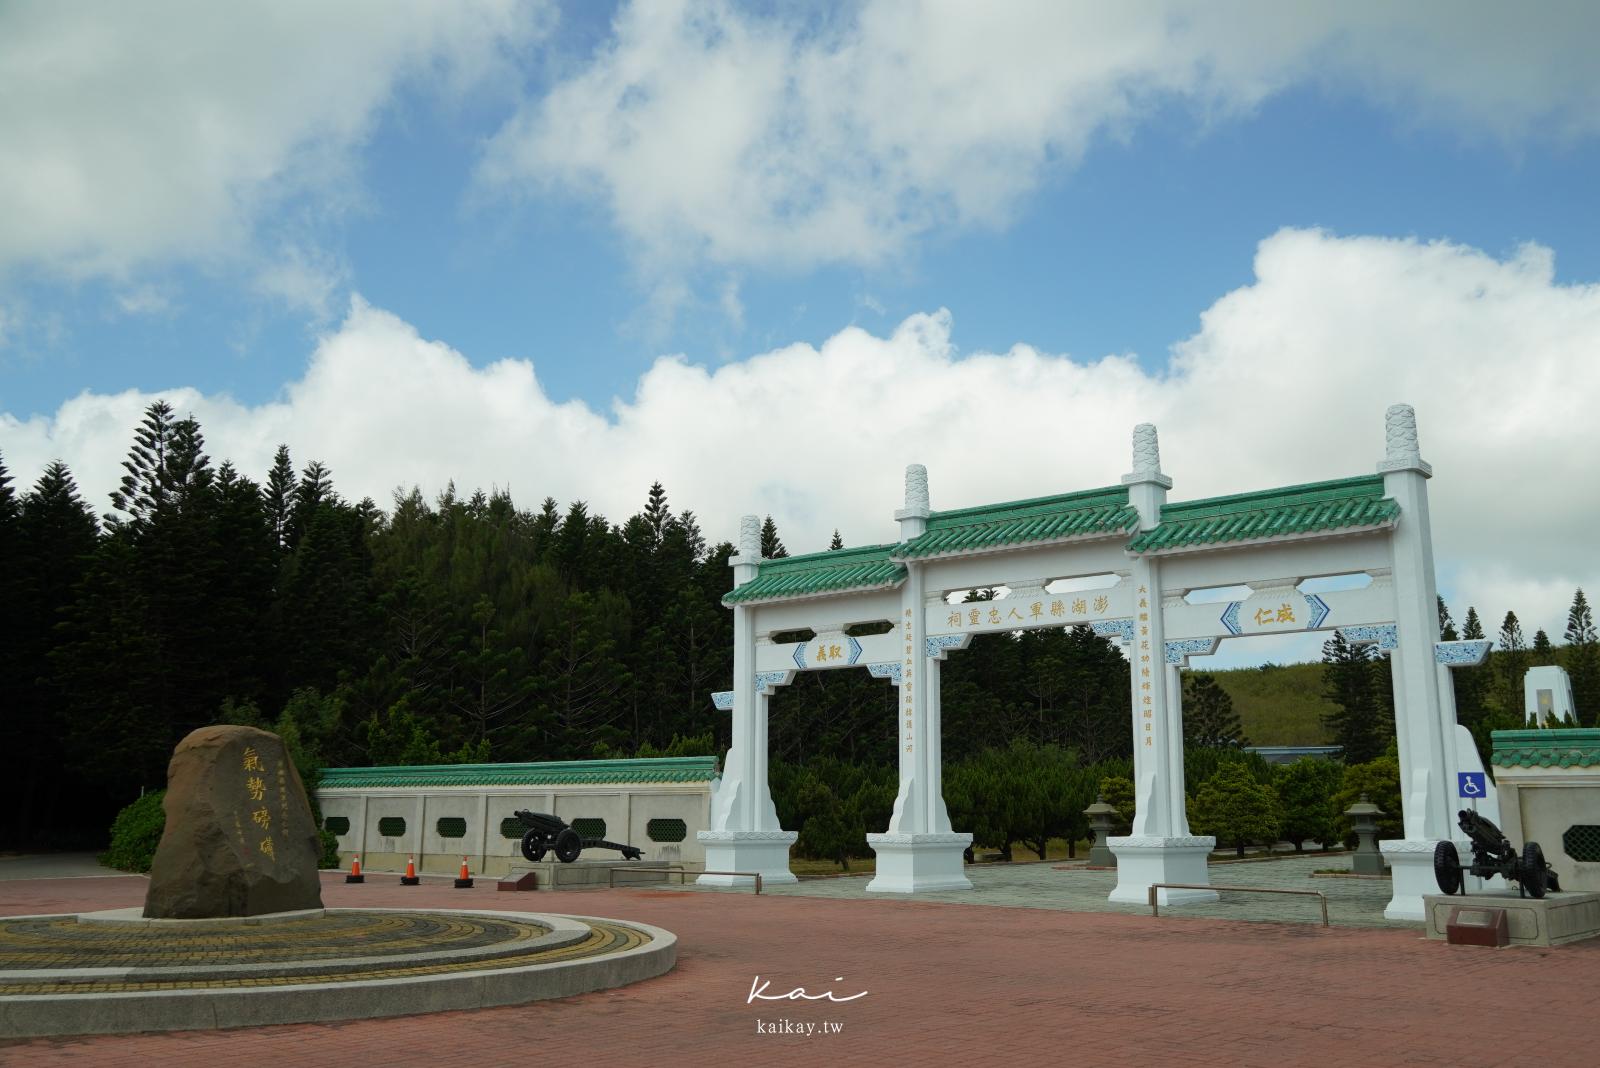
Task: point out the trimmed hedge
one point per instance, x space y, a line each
135 834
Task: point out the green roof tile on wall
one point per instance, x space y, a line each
1561 747
548 773
1041 519
865 568
1317 506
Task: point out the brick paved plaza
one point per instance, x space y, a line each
947 983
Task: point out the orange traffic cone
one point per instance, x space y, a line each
355 875
464 881
410 877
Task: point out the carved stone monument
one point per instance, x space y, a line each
239 839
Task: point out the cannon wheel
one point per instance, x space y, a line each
1533 870
1447 867
568 845
534 845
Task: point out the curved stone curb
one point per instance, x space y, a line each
37 1015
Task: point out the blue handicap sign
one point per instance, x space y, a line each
1472 783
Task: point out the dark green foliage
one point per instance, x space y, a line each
1117 790
1511 664
136 833
771 545
1583 660
1201 764
837 542
1379 780
1236 808
1209 721
1358 685
1306 789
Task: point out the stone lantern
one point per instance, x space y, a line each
1364 818
1102 819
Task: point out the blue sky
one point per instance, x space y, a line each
648 209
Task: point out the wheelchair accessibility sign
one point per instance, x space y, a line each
1472 784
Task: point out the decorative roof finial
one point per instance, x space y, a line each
1401 452
916 488
1146 451
750 537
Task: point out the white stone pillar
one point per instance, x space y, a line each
918 851
1427 777
1160 848
744 835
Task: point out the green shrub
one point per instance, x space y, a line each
1118 793
330 849
136 833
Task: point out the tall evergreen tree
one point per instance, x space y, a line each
1350 679
279 498
1583 660
837 542
1512 664
1209 719
1447 626
771 545
1543 652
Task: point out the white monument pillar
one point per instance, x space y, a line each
918 851
744 835
1160 848
1428 759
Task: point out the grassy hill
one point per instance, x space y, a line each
1279 704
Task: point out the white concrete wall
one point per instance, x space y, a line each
626 808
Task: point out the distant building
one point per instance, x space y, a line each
1288 754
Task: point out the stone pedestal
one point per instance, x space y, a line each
911 863
580 874
1143 861
1411 875
766 852
1548 921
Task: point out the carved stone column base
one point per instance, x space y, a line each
1411 876
1144 861
766 852
913 863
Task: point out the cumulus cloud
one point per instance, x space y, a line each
714 132
163 131
1286 381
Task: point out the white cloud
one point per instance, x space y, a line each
713 133
1286 381
153 132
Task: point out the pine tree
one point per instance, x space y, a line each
143 489
656 513
1350 679
280 498
771 545
1471 682
1447 626
1543 652
837 542
1583 660
1512 664
1209 720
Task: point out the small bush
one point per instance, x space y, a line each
330 849
136 833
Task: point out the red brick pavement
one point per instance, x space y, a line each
948 984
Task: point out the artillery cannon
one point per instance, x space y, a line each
1492 854
547 832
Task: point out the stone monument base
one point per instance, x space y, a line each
766 852
1144 861
1411 875
913 863
581 874
1552 920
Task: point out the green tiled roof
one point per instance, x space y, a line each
549 773
1318 506
1066 515
1558 748
868 567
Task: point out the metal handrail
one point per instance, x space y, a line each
611 874
1155 909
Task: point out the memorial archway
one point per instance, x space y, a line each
1157 551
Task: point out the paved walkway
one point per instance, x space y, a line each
947 984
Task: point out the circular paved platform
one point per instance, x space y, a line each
105 973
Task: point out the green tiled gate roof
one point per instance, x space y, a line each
994 526
866 568
1560 748
1317 506
549 773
